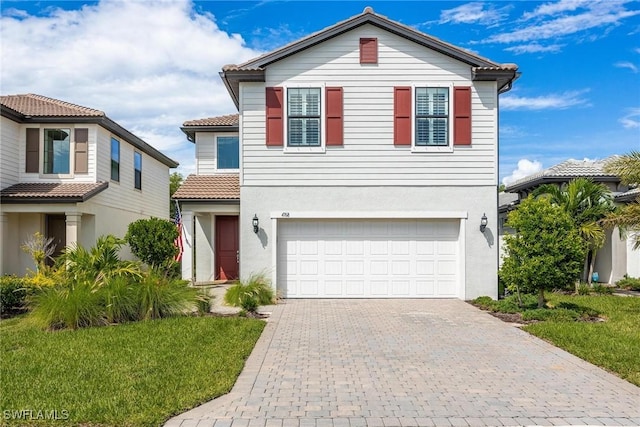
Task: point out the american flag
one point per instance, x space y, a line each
178 241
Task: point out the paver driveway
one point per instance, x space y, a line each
411 362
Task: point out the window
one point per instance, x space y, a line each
303 117
137 170
432 116
115 159
57 151
228 152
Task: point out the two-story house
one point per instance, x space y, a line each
367 168
72 174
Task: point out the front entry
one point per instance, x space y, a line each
227 247
56 228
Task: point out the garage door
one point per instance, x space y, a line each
368 258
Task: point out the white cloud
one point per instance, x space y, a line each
535 48
545 102
473 13
149 65
637 50
626 64
555 8
631 120
525 168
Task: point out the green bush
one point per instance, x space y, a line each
203 301
160 296
555 314
75 306
630 283
153 241
119 298
584 289
602 289
13 295
250 294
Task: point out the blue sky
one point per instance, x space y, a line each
151 65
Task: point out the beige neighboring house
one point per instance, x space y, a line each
361 163
72 174
617 257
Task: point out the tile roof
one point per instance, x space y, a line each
564 171
228 120
53 192
42 106
628 196
209 187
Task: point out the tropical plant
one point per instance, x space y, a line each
13 295
626 217
153 241
587 203
160 296
545 253
251 293
40 249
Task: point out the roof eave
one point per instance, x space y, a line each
515 187
202 200
68 199
232 79
190 131
504 78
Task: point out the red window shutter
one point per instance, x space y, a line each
335 126
275 119
402 115
368 50
32 163
82 150
461 116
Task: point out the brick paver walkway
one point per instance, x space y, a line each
411 363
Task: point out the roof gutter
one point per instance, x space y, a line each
190 131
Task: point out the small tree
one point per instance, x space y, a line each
546 252
175 181
152 241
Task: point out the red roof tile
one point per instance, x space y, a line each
209 187
228 120
42 106
51 192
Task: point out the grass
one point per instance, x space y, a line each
137 374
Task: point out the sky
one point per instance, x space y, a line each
150 65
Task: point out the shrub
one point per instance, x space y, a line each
630 283
250 294
555 314
13 295
152 241
119 298
203 301
583 289
160 296
75 306
602 289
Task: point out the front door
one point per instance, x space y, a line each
227 247
56 228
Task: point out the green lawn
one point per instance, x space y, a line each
614 345
137 374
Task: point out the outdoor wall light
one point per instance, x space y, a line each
256 223
483 222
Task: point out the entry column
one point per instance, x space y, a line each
74 224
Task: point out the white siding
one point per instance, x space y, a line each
368 156
9 148
206 152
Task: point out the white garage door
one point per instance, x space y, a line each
369 258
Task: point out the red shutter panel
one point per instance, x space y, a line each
275 119
461 116
368 50
82 150
402 115
32 158
335 126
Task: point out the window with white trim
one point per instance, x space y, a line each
431 116
137 170
228 152
303 117
115 160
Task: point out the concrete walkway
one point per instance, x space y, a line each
411 363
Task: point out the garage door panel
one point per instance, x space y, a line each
368 258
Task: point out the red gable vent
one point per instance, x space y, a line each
368 50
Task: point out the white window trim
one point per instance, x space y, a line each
72 150
323 115
431 149
215 148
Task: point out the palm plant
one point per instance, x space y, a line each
588 203
626 217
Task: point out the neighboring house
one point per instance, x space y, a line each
72 174
367 159
617 257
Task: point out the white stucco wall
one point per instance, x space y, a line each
481 261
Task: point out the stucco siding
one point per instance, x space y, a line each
9 150
480 255
368 155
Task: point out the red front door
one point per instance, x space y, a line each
227 247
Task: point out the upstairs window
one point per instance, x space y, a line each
137 170
303 117
115 160
432 116
228 152
57 151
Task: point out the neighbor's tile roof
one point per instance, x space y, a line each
628 196
51 192
209 187
566 170
42 106
228 120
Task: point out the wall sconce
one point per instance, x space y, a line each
483 222
256 223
